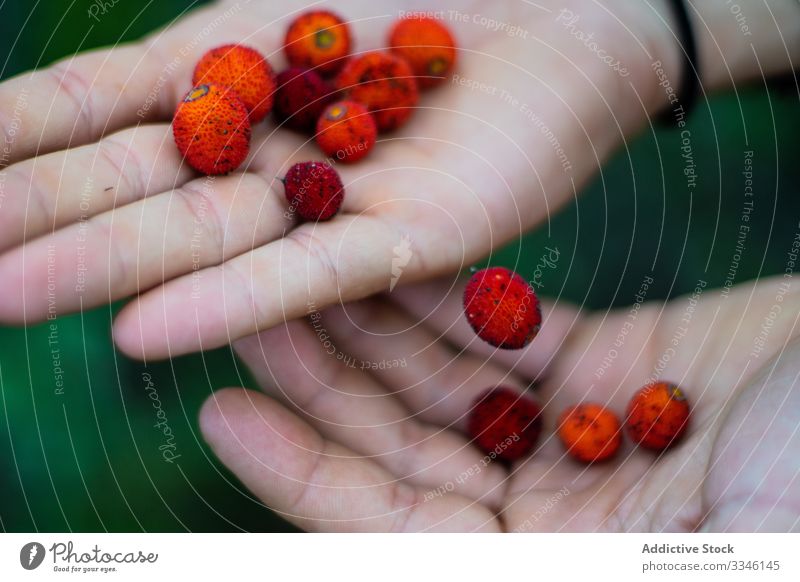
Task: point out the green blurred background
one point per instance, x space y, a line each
88 460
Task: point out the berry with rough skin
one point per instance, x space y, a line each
346 131
590 432
211 128
314 190
318 40
300 99
244 70
504 423
427 45
502 308
385 84
657 416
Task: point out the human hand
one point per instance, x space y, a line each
85 222
332 447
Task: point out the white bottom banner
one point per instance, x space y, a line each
401 557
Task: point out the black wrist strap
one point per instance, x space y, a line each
690 76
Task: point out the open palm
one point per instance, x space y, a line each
363 426
85 222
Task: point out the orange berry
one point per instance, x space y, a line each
590 432
383 83
428 47
242 69
658 415
346 131
318 40
212 129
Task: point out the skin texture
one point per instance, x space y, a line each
318 40
336 448
590 433
505 424
346 131
212 129
427 45
385 84
244 70
502 308
657 416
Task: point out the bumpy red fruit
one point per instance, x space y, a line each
590 432
318 40
502 308
314 190
300 98
244 70
427 45
657 416
384 83
212 129
346 131
504 423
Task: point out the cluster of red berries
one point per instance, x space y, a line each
344 100
504 311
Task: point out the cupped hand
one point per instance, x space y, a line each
97 205
361 427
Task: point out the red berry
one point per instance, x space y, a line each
502 308
318 40
300 99
346 131
657 416
505 423
427 45
212 129
384 83
314 190
242 69
590 432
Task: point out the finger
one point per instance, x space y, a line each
440 305
349 407
753 483
50 191
79 99
437 383
315 264
124 251
317 484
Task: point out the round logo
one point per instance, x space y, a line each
31 555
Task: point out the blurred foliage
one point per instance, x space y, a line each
89 459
